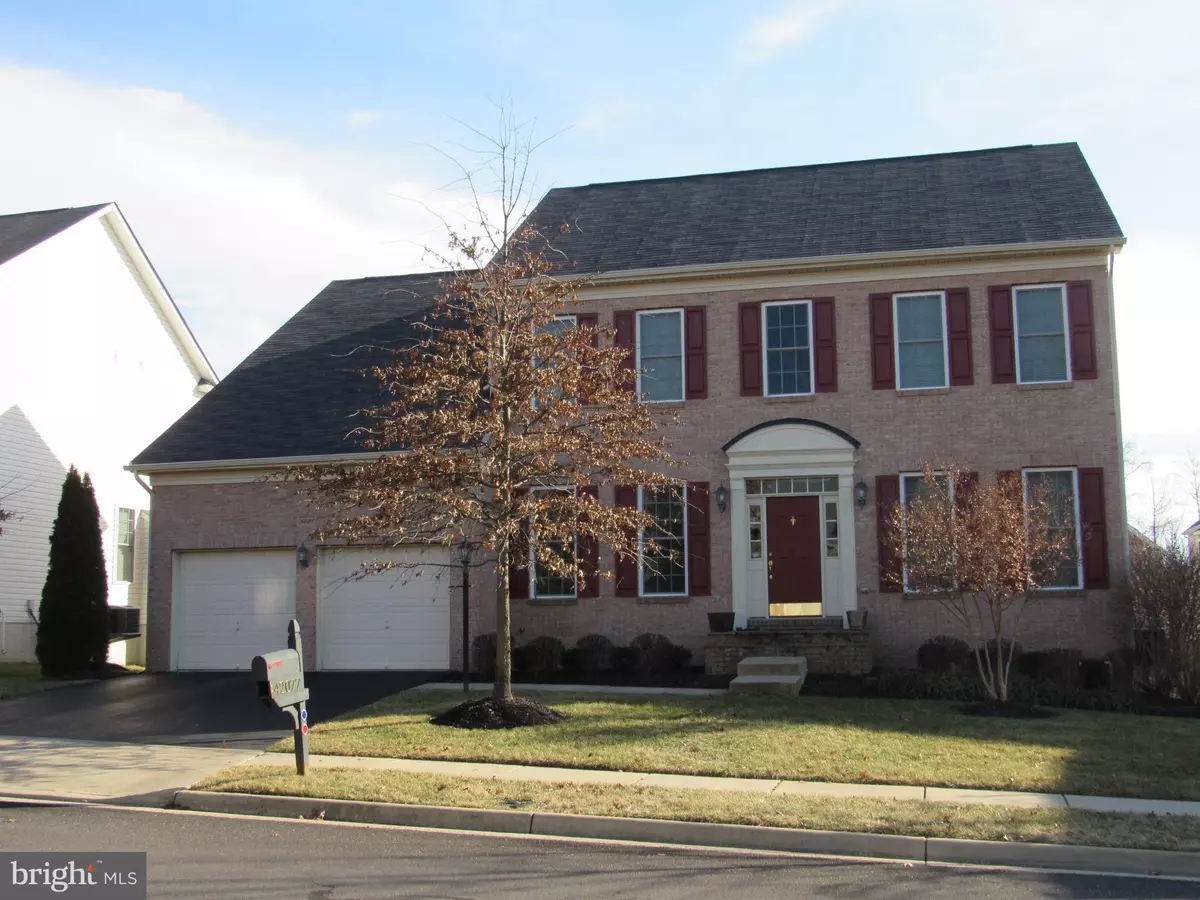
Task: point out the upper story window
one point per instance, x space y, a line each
1040 317
1060 489
920 340
660 355
787 337
663 569
123 568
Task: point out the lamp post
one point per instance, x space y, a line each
464 550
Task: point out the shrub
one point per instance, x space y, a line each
625 659
659 654
483 655
542 655
72 633
1059 666
1164 590
571 659
915 684
595 653
943 653
1096 675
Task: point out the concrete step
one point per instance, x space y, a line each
773 665
767 684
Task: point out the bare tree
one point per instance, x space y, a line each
1164 587
7 493
981 550
1192 477
499 425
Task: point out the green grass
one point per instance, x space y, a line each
806 738
911 817
23 678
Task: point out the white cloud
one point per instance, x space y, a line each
795 23
361 118
243 229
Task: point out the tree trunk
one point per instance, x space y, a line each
502 688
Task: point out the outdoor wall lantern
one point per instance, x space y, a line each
722 497
302 556
860 492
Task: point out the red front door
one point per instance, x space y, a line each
794 556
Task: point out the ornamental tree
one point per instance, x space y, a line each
982 550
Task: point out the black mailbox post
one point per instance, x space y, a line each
280 679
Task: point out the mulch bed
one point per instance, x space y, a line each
519 712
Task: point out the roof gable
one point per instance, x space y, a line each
23 231
1010 195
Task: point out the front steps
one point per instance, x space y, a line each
770 675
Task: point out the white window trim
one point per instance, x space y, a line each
682 352
687 583
117 545
812 373
945 339
533 592
904 505
1078 586
1062 288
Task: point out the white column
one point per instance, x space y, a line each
846 545
738 528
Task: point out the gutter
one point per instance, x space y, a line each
262 462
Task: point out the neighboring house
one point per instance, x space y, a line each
1193 537
96 360
820 330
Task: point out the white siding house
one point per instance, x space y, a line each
95 362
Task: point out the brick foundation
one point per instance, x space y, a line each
828 653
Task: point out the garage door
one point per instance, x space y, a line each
399 619
230 606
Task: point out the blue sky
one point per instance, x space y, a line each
261 149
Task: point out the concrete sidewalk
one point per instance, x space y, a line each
101 770
748 785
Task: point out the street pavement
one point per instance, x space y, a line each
229 858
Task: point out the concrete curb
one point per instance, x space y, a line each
705 834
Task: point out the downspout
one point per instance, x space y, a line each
1112 318
138 478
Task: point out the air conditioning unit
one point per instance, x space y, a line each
124 622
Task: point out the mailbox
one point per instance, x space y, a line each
280 678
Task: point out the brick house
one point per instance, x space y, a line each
820 330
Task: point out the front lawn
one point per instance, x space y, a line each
806 738
912 817
23 678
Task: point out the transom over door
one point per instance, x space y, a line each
794 546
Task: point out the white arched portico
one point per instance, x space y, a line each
792 458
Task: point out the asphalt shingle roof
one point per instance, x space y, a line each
297 393
1007 195
21 231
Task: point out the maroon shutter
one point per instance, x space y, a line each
623 325
696 355
1083 330
958 326
626 565
587 320
518 566
1002 336
588 552
699 541
1095 532
964 489
883 363
750 336
887 499
824 345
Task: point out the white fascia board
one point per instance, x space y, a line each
266 462
190 349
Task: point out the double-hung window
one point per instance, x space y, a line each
913 486
1060 490
546 583
1040 320
920 340
660 355
663 567
557 325
787 339
123 569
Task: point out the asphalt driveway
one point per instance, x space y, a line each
195 709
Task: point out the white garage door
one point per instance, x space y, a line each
231 605
399 619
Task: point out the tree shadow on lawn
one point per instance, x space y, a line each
862 740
